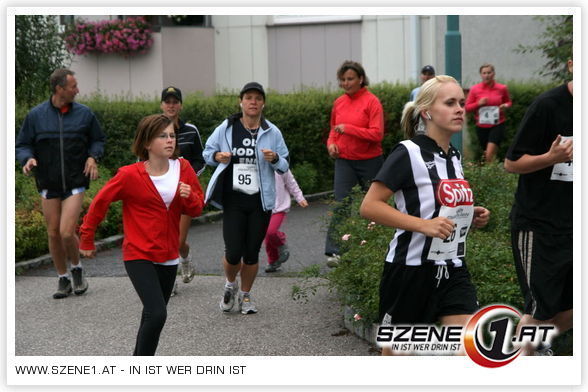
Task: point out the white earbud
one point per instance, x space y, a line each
262 106
428 115
241 104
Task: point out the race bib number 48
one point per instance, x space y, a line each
457 203
489 115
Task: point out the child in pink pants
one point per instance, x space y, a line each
275 240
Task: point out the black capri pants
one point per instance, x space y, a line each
244 226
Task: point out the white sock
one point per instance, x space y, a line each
243 293
66 275
78 265
230 284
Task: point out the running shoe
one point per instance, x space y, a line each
543 351
80 284
187 268
63 288
283 254
333 261
228 300
175 289
273 267
246 304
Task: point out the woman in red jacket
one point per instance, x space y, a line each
355 141
488 100
155 191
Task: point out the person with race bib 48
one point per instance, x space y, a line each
488 101
425 279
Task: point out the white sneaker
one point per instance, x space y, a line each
175 289
187 268
246 304
228 299
333 261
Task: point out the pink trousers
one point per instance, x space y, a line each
274 238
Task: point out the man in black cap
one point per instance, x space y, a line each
428 72
188 139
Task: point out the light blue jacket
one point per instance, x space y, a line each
269 137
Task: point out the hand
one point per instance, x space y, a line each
482 101
28 167
185 190
89 254
561 152
269 155
303 203
340 129
91 168
223 157
439 227
481 217
333 151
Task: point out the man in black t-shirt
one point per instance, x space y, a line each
541 217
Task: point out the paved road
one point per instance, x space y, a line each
104 320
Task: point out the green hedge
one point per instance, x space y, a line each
303 118
489 256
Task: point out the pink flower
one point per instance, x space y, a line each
357 317
371 225
363 242
346 237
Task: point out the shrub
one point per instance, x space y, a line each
30 229
364 246
306 177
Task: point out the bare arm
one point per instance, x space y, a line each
558 153
375 207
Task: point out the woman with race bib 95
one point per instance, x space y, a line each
425 279
246 150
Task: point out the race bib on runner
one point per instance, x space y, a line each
245 178
563 171
457 203
489 114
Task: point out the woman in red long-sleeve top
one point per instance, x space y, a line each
155 191
355 140
489 100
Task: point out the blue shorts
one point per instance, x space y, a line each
47 194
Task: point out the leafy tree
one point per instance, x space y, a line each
556 44
40 50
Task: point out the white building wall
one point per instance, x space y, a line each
241 50
116 76
388 50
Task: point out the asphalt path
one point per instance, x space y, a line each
105 319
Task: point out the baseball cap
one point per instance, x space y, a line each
428 69
173 91
252 86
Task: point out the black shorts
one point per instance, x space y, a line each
418 295
494 135
544 264
244 226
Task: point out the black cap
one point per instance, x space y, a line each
252 86
173 91
428 69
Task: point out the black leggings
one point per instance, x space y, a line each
244 226
154 284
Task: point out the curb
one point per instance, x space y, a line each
116 240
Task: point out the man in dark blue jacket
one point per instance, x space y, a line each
60 142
